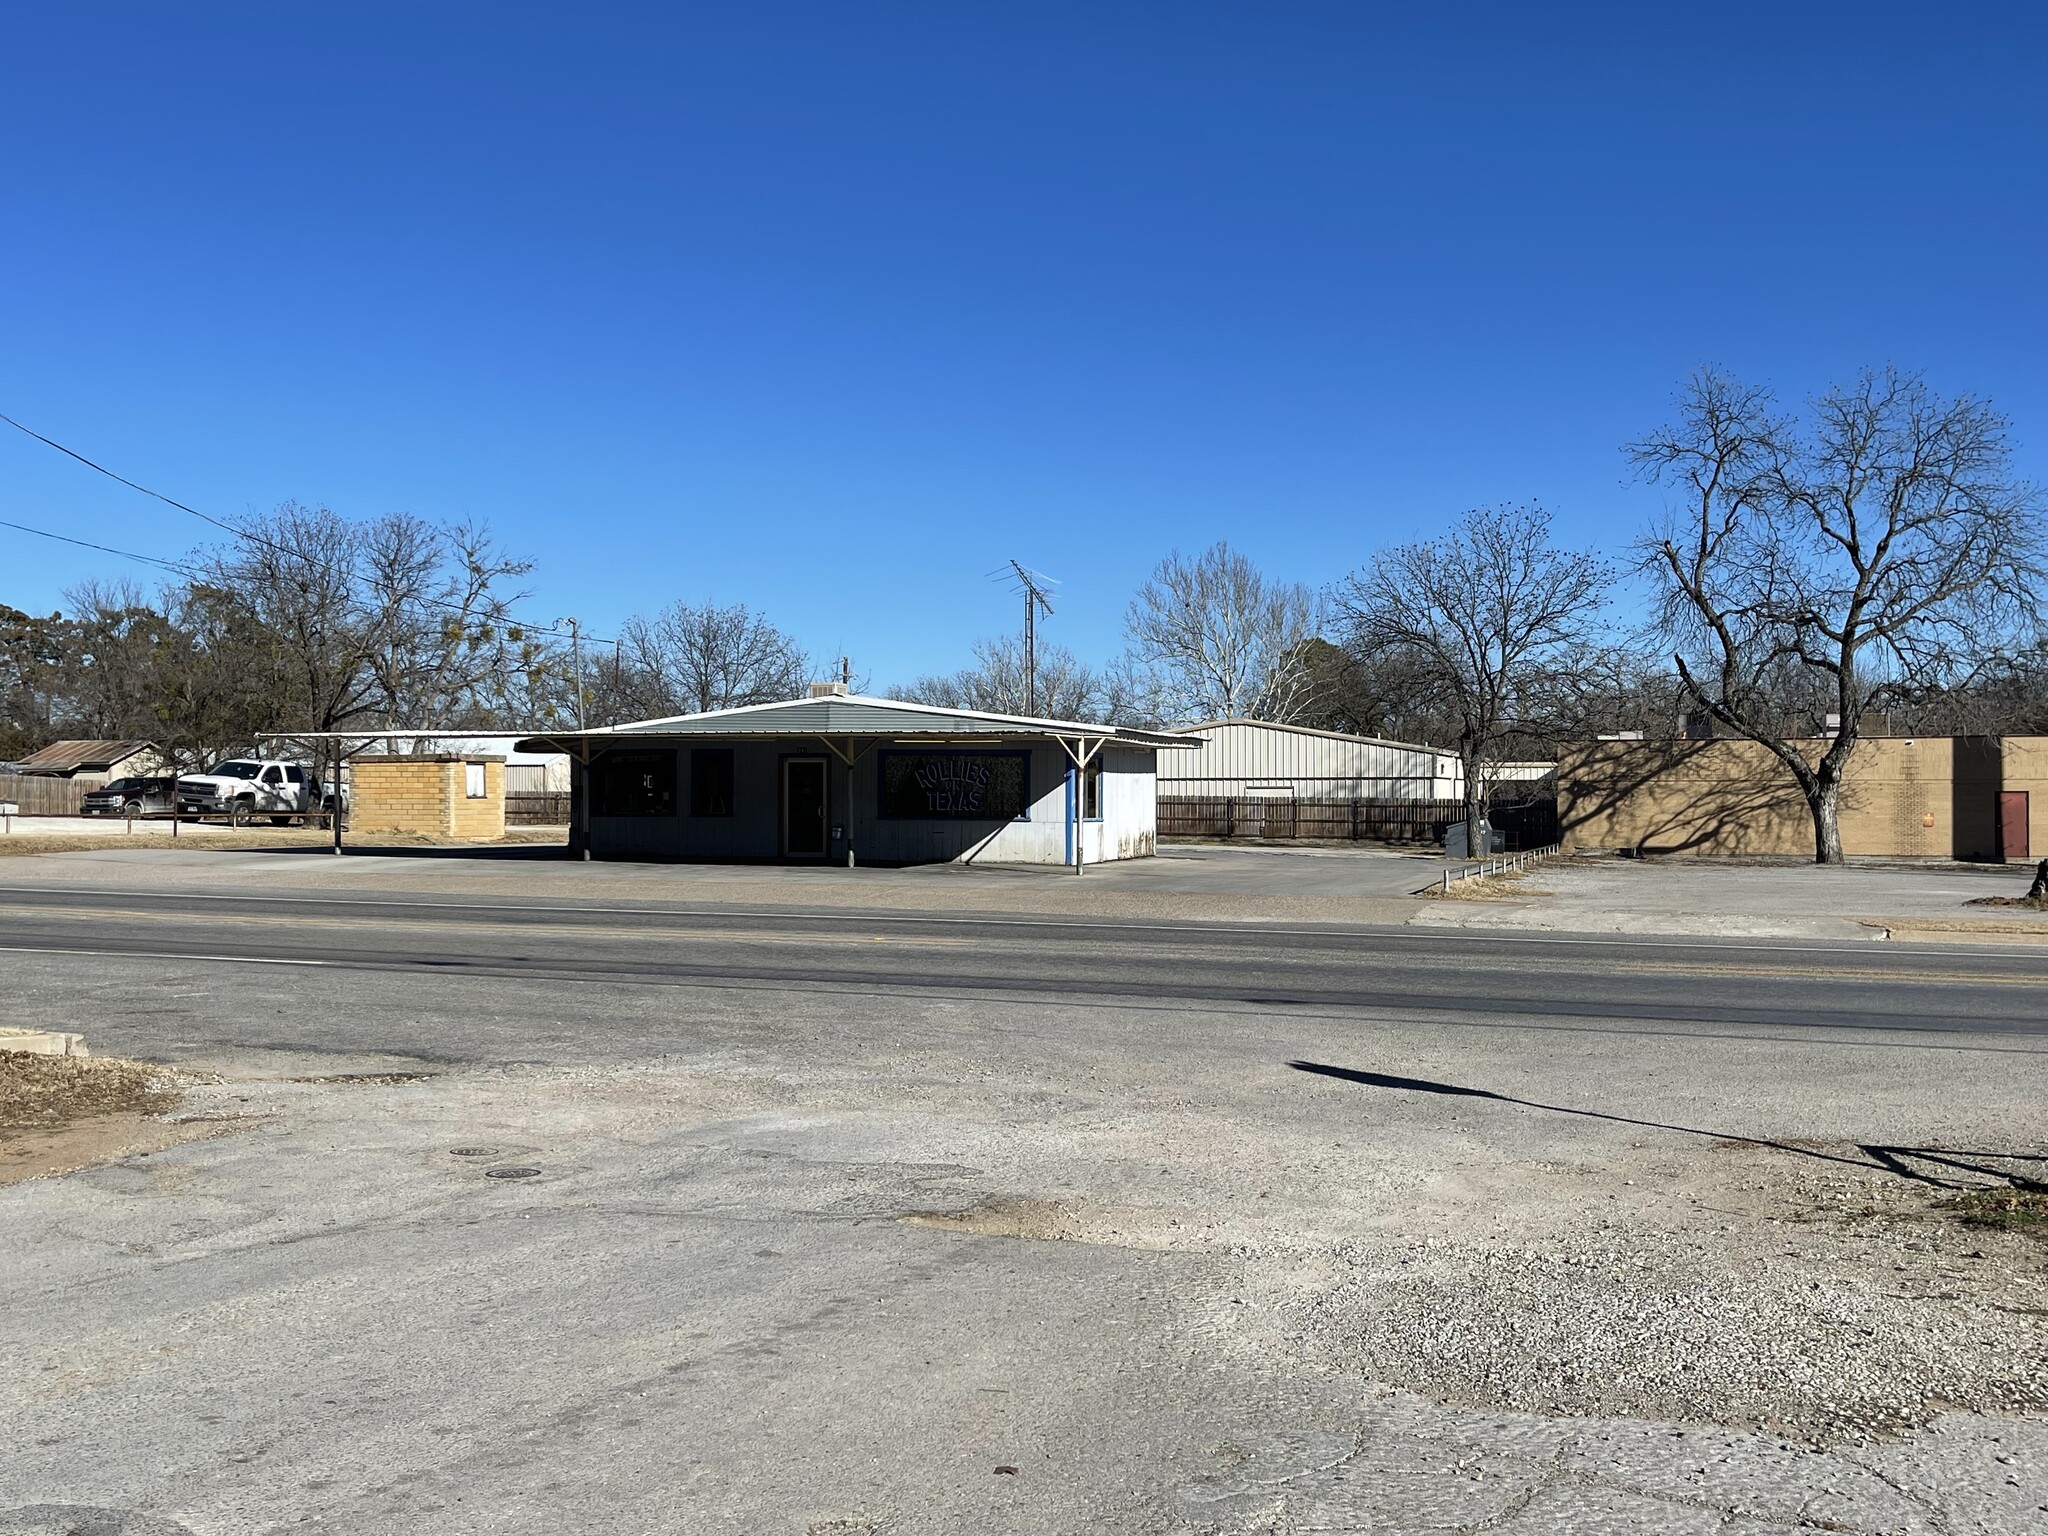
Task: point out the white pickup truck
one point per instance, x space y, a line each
243 788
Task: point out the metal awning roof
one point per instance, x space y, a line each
859 717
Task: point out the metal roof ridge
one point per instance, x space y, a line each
1042 722
1314 730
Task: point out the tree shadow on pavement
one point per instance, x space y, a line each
1901 1162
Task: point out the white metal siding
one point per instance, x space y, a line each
1247 759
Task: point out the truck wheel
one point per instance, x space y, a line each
132 808
238 814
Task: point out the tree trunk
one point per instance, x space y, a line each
1824 800
1475 807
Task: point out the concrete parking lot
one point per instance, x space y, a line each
558 1210
1783 899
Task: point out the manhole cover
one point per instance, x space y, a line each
511 1173
472 1151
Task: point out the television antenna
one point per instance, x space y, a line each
1035 588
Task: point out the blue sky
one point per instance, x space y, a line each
831 308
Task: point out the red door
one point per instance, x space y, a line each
2012 825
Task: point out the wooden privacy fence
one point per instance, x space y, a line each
41 796
1284 816
536 807
1529 824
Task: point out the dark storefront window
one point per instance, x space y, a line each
711 781
633 784
956 786
1091 791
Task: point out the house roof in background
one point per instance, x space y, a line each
61 757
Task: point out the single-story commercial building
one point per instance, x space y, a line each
92 762
841 778
1946 797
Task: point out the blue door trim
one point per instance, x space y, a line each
1068 818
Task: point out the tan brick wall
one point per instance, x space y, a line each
480 820
426 795
1930 797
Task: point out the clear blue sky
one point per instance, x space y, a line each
832 307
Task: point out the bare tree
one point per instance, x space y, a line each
1810 571
1486 625
690 658
1066 688
295 574
440 634
1214 638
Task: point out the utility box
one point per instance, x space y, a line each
1490 841
451 794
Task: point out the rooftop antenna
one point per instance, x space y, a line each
1034 586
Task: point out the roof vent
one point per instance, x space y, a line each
828 690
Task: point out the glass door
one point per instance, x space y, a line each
803 808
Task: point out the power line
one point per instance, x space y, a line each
226 527
101 468
105 549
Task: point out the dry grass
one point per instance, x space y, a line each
1506 886
44 1093
2009 1210
228 840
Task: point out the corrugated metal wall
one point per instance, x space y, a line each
1251 759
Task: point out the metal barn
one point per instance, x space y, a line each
1248 758
843 778
1266 782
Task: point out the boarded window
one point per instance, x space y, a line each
956 786
633 784
473 780
711 781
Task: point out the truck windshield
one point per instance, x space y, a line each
235 770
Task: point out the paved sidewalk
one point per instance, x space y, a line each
1731 900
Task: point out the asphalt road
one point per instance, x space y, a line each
560 1217
1666 983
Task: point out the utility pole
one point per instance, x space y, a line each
1033 586
576 651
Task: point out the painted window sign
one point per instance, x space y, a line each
956 786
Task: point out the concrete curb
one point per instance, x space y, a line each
43 1042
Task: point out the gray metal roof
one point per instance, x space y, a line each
857 715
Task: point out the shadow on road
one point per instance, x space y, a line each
1902 1162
